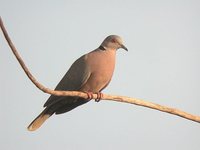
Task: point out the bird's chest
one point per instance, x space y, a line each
103 66
102 69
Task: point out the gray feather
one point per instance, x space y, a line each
75 77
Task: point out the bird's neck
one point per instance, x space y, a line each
102 48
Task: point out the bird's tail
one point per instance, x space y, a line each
39 120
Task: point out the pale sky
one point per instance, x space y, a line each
162 66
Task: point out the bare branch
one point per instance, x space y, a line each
105 96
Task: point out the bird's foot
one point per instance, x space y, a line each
99 96
90 95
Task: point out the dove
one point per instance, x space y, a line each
90 73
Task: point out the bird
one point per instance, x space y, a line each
91 73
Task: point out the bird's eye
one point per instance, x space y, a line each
114 41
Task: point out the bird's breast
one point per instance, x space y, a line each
102 66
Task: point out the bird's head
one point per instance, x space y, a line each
113 42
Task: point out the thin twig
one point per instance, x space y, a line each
105 96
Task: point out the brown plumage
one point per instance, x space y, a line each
90 73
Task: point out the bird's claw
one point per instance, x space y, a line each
99 96
90 95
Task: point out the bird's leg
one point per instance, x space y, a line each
90 95
99 96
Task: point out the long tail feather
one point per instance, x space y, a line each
37 122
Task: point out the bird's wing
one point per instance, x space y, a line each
75 77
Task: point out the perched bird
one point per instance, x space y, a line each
91 73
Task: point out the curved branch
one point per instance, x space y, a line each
105 96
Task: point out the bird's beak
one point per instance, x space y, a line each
124 47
